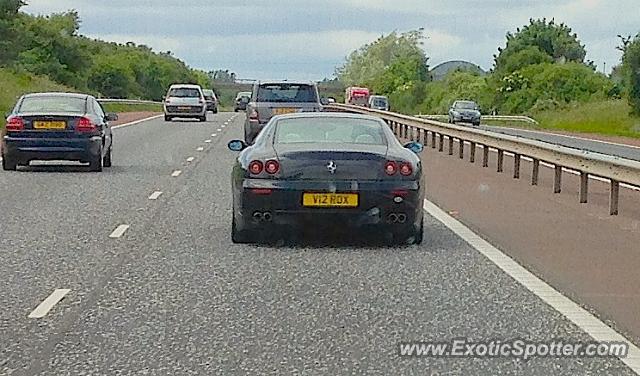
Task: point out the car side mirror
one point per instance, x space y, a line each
324 101
237 145
415 147
111 116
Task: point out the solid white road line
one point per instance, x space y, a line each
155 195
176 173
190 159
572 311
207 141
136 122
44 307
200 148
119 231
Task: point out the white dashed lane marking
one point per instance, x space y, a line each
219 129
200 148
190 159
207 141
119 231
46 305
176 173
155 195
213 134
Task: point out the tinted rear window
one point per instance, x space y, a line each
286 93
45 104
184 93
330 130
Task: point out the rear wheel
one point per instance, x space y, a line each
203 118
215 110
95 164
9 163
167 118
241 236
106 161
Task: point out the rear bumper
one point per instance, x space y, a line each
73 149
193 111
378 203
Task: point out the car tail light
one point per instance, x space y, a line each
272 166
15 123
406 169
85 125
390 168
255 167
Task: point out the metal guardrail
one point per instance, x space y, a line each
127 101
524 119
614 169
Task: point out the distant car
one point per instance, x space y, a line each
331 100
185 101
379 102
330 169
58 126
465 112
211 99
242 98
270 98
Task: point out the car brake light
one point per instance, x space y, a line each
15 123
272 166
406 169
255 167
390 168
85 125
261 191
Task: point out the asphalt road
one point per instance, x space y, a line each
622 151
174 296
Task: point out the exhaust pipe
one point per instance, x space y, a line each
266 216
257 216
402 218
393 218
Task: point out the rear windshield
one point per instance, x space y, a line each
208 93
330 130
39 104
184 93
286 93
466 105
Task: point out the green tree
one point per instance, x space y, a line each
8 13
367 64
631 71
557 41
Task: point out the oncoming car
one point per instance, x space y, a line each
329 169
185 101
465 112
58 126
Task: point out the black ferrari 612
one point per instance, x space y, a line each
310 169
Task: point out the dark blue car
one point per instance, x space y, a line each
58 126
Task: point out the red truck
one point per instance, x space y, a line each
358 96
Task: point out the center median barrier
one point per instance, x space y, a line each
614 169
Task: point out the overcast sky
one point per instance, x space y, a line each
307 39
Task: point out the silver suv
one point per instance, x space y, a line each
185 101
270 98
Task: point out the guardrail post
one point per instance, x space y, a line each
584 187
557 181
406 131
500 160
614 197
472 153
461 144
441 142
485 155
433 140
516 166
450 145
535 172
425 137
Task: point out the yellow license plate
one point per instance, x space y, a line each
49 125
282 111
330 200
